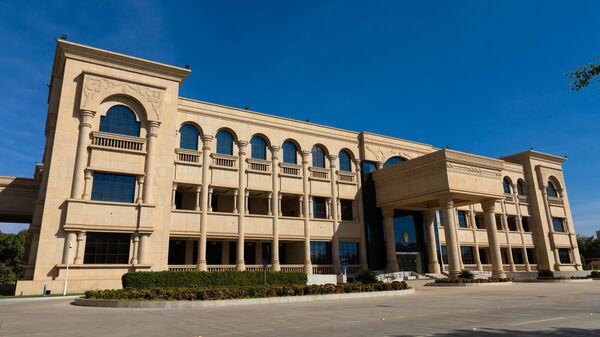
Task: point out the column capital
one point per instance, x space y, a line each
275 151
388 212
428 215
305 154
242 144
153 128
488 205
81 236
379 165
87 116
446 202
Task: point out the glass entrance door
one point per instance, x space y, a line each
409 262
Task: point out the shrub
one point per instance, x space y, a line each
258 291
545 273
365 276
466 274
595 274
192 279
471 280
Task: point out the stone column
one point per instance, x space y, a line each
448 213
198 193
140 182
305 205
236 201
143 249
275 207
301 208
210 194
85 128
240 264
134 252
205 201
362 254
434 265
149 166
270 203
87 190
474 229
390 240
70 241
489 207
80 248
334 214
173 194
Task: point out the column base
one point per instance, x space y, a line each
240 266
434 268
498 274
202 266
455 273
308 268
392 268
134 261
276 266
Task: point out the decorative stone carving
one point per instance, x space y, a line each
96 89
383 154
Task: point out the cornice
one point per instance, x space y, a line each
529 154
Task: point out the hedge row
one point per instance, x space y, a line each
204 294
193 279
471 280
595 274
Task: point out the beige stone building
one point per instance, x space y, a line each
135 177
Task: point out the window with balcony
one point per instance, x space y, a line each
526 223
462 219
512 223
393 160
551 190
121 120
558 224
258 202
318 156
467 254
319 208
320 252
223 200
107 248
290 205
290 152
345 161
349 252
186 197
506 185
224 142
346 207
564 255
258 148
520 187
113 187
188 137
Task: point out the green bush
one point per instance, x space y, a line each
193 279
595 274
465 274
257 291
471 280
545 273
365 276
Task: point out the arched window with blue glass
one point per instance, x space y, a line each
506 185
521 187
188 137
345 161
318 156
551 190
258 147
393 160
290 152
121 120
224 142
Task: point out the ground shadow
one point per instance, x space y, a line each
562 332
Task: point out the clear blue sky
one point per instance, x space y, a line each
484 76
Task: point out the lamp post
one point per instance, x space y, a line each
67 272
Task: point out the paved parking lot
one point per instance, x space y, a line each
528 309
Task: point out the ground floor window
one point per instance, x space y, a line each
504 254
444 254
517 254
107 248
467 254
564 255
349 252
531 255
320 252
483 255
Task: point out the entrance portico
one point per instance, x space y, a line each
442 180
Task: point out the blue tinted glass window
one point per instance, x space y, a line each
113 187
259 148
558 225
320 252
224 142
188 137
520 187
551 190
290 153
319 208
121 120
345 161
349 252
462 219
506 185
392 161
318 156
467 254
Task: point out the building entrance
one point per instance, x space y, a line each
410 245
410 262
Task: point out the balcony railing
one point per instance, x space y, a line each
554 201
292 268
121 142
188 156
224 161
257 165
185 267
220 267
323 269
292 170
346 177
319 173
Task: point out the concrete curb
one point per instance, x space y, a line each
563 281
245 301
472 285
48 298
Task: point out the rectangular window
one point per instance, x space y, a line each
564 255
266 253
479 222
531 255
483 256
441 216
499 225
320 252
525 223
504 255
107 248
462 219
347 212
444 253
467 254
349 252
512 223
558 224
517 254
319 208
113 187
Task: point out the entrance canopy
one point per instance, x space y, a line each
17 199
420 183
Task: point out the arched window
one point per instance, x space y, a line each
393 160
188 137
551 190
224 142
520 187
345 161
121 120
259 148
506 185
318 156
290 152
